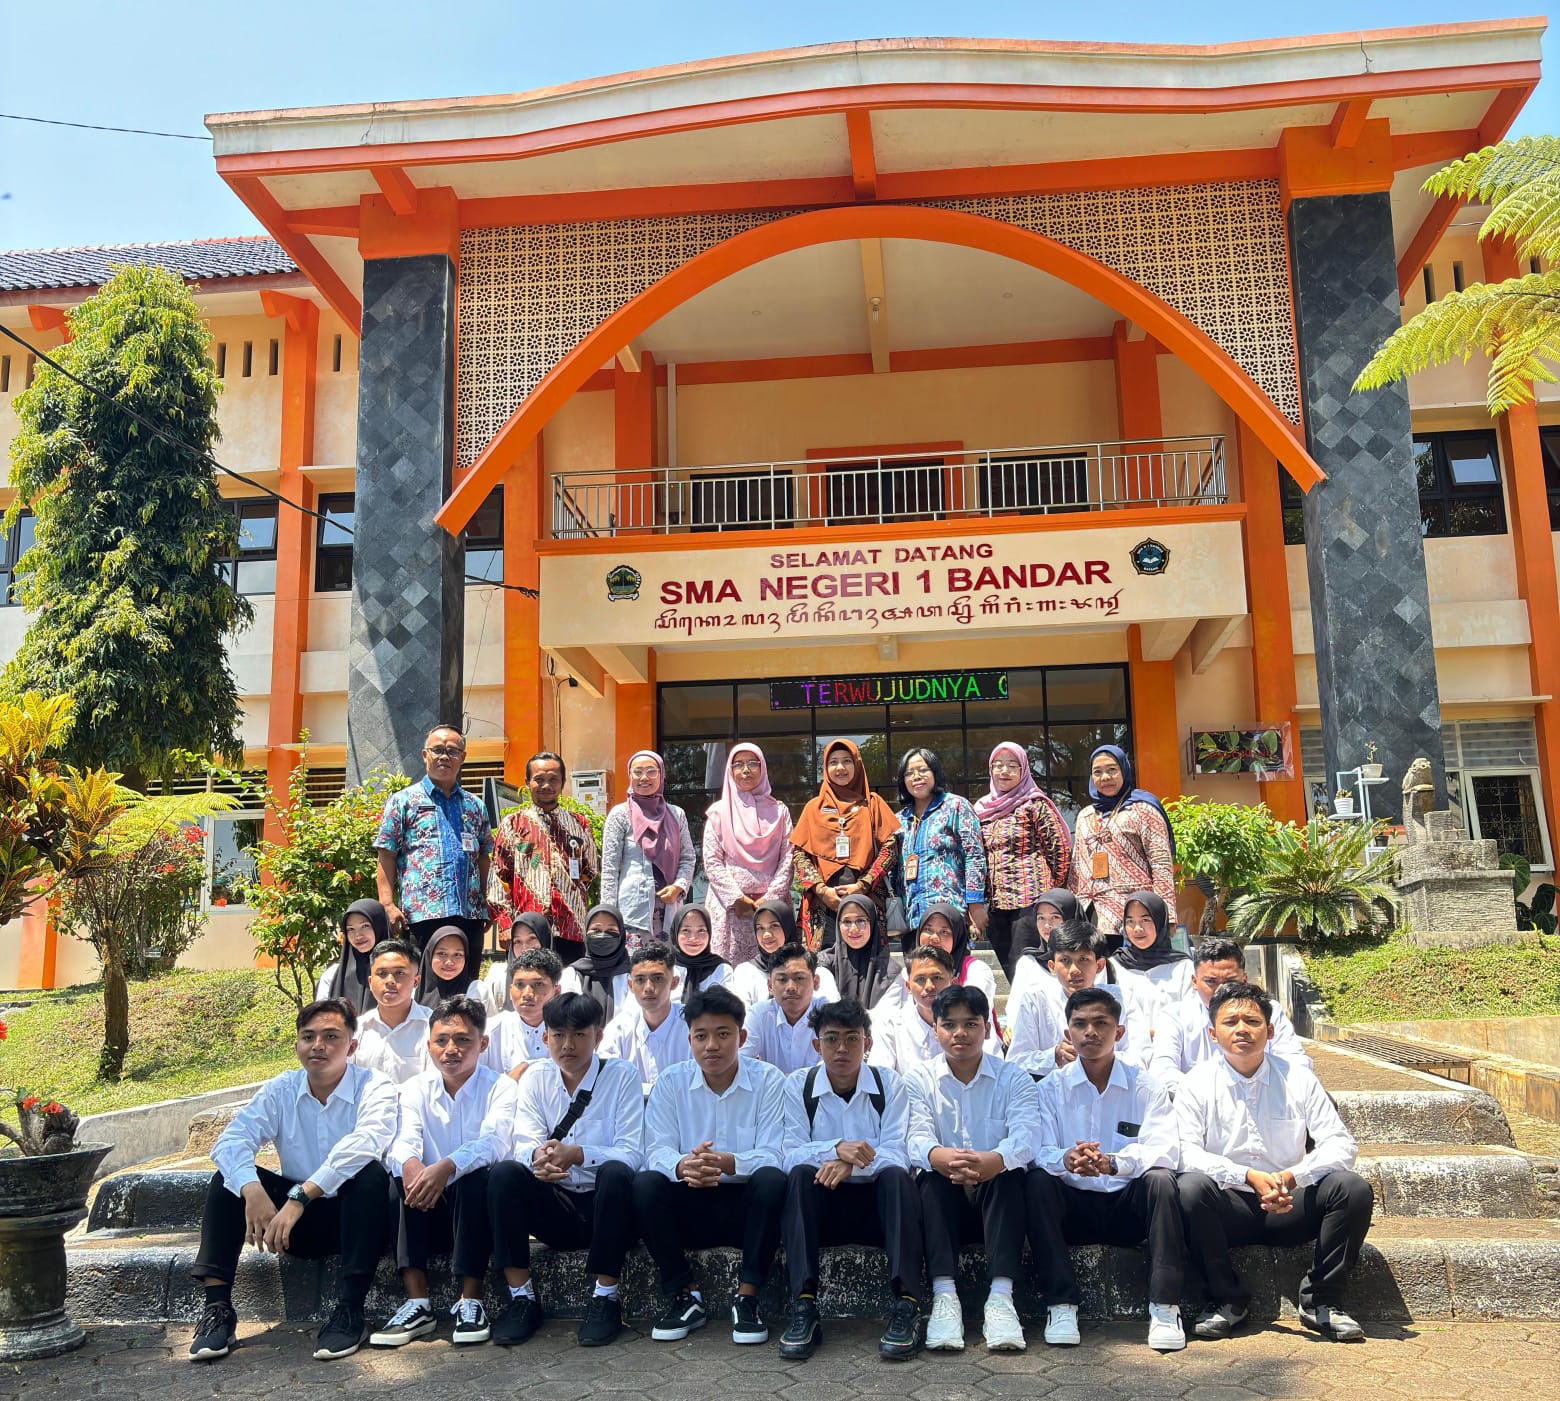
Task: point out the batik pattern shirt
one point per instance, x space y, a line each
949 859
438 841
1028 852
1135 844
531 869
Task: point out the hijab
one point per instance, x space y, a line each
350 979
781 911
651 823
431 989
1158 953
1128 794
539 925
868 821
1065 903
752 824
863 974
597 971
958 921
991 805
696 966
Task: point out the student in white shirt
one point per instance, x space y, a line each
714 1144
972 1124
528 930
1146 951
1183 1036
846 1128
774 926
947 927
650 1032
602 970
1052 910
517 1038
907 1036
455 1124
449 967
393 1038
578 1142
1076 957
1104 1174
698 965
330 1123
1247 1179
777 1028
362 926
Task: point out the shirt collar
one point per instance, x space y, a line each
1259 1078
346 1088
828 1085
986 1068
744 1079
433 790
1072 1074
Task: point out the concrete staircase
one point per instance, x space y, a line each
1466 1226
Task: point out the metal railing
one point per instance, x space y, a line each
973 483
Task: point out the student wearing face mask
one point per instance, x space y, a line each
602 971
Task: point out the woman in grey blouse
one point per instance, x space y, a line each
647 852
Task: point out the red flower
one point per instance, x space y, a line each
52 1108
30 1102
218 903
2 1031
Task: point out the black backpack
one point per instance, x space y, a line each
877 1098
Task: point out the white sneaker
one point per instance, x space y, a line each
1165 1333
1004 1333
945 1328
1061 1325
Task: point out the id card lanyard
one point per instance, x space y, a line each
1099 861
913 856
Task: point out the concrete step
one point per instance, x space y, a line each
1458 1180
1412 1268
1427 1116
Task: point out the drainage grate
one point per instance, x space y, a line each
1447 1064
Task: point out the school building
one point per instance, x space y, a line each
923 391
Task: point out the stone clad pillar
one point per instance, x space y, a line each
404 656
1370 605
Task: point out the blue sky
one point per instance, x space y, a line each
164 65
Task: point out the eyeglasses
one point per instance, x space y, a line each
746 766
918 773
444 751
833 1042
1006 766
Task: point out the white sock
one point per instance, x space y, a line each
1002 1285
522 1291
606 1291
423 1303
944 1284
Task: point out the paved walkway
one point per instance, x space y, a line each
1420 1361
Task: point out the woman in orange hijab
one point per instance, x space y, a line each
845 844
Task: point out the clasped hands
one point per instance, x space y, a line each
965 1166
704 1166
849 1153
1086 1160
552 1160
1275 1190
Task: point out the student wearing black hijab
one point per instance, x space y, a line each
774 926
1146 951
1052 910
447 967
529 931
363 925
863 968
701 967
946 926
602 970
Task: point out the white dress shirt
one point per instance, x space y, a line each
771 1038
853 1119
1228 1122
747 1121
751 984
1170 981
495 988
630 1037
472 1129
611 1130
995 1112
621 996
1132 1119
906 1040
1182 1040
399 1052
320 1143
1039 1020
512 1040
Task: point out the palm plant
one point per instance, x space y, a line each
1516 322
1323 879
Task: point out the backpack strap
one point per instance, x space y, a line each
880 1098
810 1097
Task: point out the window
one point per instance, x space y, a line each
1549 440
333 544
740 501
1291 502
908 489
1033 483
1507 809
485 540
231 839
14 543
253 569
1459 484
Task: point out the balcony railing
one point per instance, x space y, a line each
973 483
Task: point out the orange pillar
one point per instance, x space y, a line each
1138 413
294 534
524 687
634 444
1272 639
634 714
1527 502
38 958
1156 741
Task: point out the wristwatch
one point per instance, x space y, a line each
297 1194
1111 1159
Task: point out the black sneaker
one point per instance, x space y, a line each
407 1322
471 1321
215 1334
518 1322
342 1334
602 1323
804 1333
1332 1323
1218 1321
746 1324
682 1314
902 1331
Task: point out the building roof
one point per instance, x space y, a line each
197 260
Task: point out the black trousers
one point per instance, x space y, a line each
1147 1209
1334 1212
673 1216
1007 931
350 1224
953 1215
882 1210
457 1222
600 1221
421 930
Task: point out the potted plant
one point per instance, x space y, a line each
44 1178
1343 803
1370 768
1325 879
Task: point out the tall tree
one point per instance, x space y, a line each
131 617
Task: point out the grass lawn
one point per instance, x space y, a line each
1390 980
189 1032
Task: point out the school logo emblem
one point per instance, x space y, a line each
623 583
1150 557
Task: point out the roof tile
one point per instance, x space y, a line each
196 261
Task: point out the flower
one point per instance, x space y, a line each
218 903
54 1107
3 1032
31 1102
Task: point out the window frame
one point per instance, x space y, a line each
332 553
1470 807
1447 493
208 826
11 552
485 544
231 564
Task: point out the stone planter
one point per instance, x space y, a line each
40 1200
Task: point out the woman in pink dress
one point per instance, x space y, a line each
747 853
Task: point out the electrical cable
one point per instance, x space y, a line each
93 126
